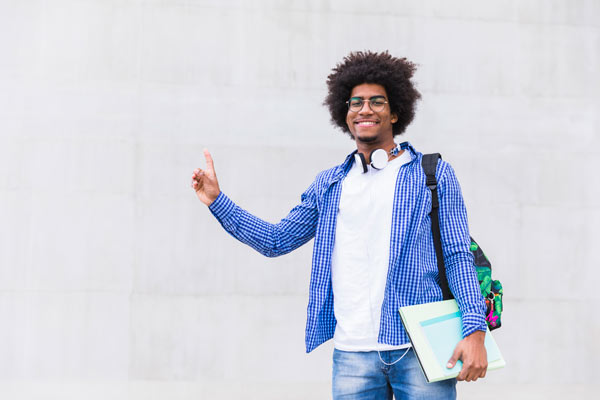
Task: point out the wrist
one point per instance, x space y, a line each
212 199
477 335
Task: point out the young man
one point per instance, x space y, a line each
373 249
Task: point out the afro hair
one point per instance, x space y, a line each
380 68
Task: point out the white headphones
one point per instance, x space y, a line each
379 158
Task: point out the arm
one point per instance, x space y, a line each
458 259
271 240
462 278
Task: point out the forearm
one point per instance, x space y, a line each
268 239
462 279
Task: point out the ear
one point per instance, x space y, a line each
394 118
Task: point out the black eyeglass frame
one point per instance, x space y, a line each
370 100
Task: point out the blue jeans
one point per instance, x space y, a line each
362 375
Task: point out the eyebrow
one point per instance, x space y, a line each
372 97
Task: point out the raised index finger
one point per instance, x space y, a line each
209 161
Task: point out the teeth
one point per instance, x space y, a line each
368 123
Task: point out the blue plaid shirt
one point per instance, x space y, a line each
412 273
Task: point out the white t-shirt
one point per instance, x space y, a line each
361 254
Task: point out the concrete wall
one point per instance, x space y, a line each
116 282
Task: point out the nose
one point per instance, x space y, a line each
366 108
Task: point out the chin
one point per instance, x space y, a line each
366 139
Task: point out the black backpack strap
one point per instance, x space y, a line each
429 163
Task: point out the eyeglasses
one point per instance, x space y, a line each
376 103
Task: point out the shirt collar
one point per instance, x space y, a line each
345 167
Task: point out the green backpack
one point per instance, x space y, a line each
491 290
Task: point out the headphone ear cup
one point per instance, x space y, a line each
359 158
379 158
371 158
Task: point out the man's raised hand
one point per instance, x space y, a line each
204 181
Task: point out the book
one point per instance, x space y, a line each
434 330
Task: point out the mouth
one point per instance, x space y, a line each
366 123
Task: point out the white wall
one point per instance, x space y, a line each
116 282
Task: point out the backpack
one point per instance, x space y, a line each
491 290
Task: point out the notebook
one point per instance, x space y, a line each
434 330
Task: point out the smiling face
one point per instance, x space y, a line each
367 126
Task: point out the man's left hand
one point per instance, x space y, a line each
473 355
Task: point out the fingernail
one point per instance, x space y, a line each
449 365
